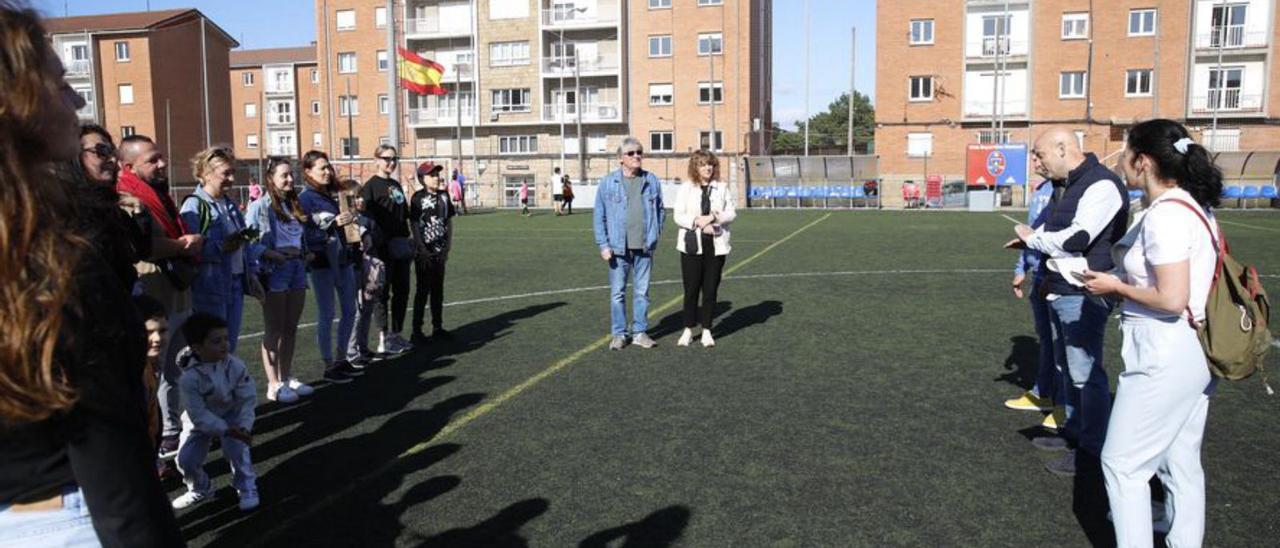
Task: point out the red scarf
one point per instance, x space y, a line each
160 205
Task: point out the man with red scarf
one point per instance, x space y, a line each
143 177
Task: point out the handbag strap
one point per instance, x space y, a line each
1218 248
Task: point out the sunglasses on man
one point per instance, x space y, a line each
633 153
103 151
389 159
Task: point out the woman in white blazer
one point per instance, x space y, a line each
704 210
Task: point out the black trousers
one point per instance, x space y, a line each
396 294
701 274
429 270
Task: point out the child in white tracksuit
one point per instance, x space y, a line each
218 398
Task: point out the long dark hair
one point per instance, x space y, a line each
309 161
1194 170
280 200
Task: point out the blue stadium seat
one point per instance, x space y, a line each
859 192
1232 192
1269 192
1251 192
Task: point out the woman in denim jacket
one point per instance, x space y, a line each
221 282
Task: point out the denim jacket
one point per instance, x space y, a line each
610 214
214 279
262 217
323 237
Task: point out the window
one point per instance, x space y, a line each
315 108
1224 87
347 62
316 139
384 105
919 145
1228 26
508 9
710 2
246 79
661 94
993 137
710 92
280 112
596 143
921 88
511 100
711 43
250 110
1071 85
1137 82
704 141
251 140
128 131
505 54
995 35
126 94
659 4
122 51
350 147
921 31
1142 22
518 144
348 105
661 141
346 19
315 76
1075 26
660 46
380 18
384 141
383 62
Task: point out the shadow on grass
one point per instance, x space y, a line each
743 318
1089 501
500 531
661 528
1023 362
674 322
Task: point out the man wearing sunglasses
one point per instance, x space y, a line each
628 221
385 203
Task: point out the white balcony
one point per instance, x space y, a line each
1226 100
591 112
1231 37
78 67
983 109
276 88
569 18
435 27
990 46
282 150
280 119
89 113
564 66
440 117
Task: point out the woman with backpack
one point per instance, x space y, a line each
1167 262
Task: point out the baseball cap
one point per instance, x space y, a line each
428 167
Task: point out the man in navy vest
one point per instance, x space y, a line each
1090 216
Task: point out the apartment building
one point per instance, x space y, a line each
958 72
538 84
275 102
180 98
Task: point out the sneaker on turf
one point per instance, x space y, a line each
248 499
685 338
336 375
300 388
280 392
362 361
347 368
1050 443
618 342
190 498
1064 466
1028 401
1053 421
707 341
643 341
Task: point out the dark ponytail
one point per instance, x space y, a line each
1194 170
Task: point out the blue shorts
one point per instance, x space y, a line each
288 276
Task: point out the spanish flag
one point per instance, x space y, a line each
421 76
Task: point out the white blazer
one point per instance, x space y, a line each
689 207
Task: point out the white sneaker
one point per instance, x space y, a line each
190 498
300 388
281 393
707 341
248 499
685 338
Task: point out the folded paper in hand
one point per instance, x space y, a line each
1069 267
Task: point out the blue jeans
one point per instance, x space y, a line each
1049 381
229 307
635 262
66 526
1079 323
327 282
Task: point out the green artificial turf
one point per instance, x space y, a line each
854 399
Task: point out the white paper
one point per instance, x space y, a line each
1069 267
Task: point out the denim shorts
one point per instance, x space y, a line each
287 276
66 526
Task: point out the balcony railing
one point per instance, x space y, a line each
78 67
564 65
569 18
1231 37
434 27
447 116
1227 142
279 88
282 150
280 119
991 46
88 113
983 109
1226 100
591 112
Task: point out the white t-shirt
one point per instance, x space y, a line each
1166 234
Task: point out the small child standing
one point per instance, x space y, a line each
155 319
218 397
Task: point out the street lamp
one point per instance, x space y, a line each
560 108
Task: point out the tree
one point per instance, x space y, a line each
829 130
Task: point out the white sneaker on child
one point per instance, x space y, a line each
190 498
299 387
248 499
281 393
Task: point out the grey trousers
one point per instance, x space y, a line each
167 390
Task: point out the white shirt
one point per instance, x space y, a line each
1096 209
1167 234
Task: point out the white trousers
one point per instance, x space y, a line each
1156 427
193 448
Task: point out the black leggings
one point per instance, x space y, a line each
701 274
396 294
430 280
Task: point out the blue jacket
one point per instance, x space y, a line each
260 216
322 236
610 214
214 279
1037 211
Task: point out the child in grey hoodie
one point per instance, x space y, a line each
218 398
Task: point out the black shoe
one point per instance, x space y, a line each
419 338
336 376
345 367
1064 466
1050 443
442 334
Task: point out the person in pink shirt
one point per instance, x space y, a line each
524 198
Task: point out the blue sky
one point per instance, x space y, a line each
277 23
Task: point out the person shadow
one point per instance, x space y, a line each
737 320
500 531
660 528
1022 363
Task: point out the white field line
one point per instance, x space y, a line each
1255 227
1011 219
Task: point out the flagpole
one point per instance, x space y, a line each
393 84
350 131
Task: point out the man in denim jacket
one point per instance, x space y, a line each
628 221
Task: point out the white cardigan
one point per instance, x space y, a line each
689 207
